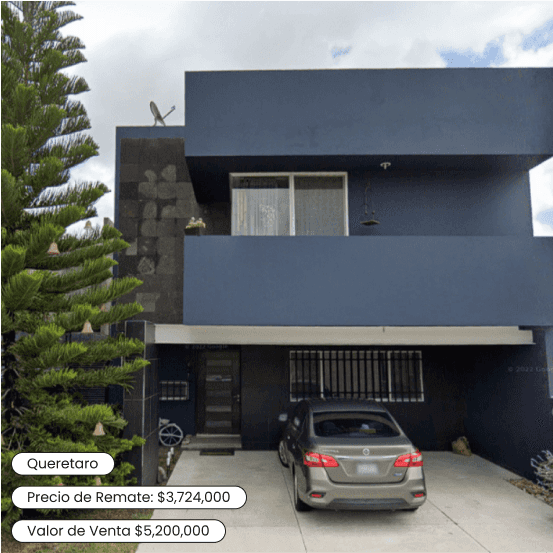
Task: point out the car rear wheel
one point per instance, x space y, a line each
298 503
282 454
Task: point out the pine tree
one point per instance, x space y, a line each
46 295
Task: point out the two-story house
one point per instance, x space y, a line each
443 309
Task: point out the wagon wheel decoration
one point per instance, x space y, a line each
171 435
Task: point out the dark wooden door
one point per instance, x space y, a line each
219 393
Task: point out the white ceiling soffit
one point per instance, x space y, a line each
343 336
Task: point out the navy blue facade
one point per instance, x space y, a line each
367 112
178 364
462 118
368 281
509 401
454 246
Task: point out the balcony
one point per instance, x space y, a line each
368 281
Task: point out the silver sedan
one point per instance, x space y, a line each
351 454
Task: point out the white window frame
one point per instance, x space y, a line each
291 188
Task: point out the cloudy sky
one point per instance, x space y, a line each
139 51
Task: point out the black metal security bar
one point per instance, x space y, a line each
381 375
174 390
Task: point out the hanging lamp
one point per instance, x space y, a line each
371 221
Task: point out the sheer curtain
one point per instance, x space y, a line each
319 206
261 207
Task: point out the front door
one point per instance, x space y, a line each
219 393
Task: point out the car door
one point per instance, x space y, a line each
293 433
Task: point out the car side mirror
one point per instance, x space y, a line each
283 417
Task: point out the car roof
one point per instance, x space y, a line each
319 405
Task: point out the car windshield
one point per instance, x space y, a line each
354 425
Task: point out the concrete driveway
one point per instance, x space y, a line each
470 507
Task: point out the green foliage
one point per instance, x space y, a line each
46 298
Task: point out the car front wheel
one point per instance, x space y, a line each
298 503
282 454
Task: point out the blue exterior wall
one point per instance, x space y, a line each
444 203
265 394
508 402
368 281
472 111
495 395
176 364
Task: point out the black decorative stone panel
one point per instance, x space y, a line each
146 245
130 150
129 172
129 208
156 202
128 190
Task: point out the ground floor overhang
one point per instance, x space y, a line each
347 336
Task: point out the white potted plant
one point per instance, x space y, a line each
195 228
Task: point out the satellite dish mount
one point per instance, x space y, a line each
157 114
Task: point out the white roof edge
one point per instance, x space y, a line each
342 335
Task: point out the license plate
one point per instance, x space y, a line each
369 469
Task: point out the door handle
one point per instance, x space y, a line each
236 398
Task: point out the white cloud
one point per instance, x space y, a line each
515 56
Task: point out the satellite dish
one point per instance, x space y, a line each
157 114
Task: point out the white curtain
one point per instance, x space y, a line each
260 212
261 206
319 206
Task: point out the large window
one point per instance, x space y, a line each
295 204
358 374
